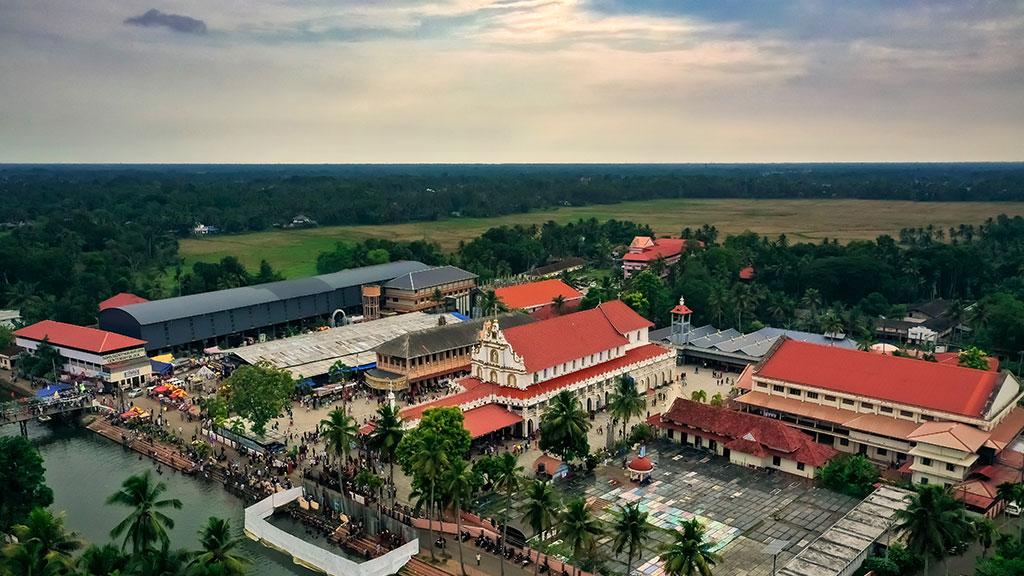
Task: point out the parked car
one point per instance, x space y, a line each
135 392
1013 509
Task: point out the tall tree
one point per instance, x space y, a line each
631 531
259 393
507 478
933 523
218 547
689 553
146 525
387 435
625 401
564 427
22 477
460 485
541 510
430 463
578 527
339 431
43 545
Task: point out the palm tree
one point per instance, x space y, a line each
339 431
625 402
811 301
717 400
218 549
430 461
631 531
699 396
689 553
459 487
578 529
542 506
490 303
101 561
146 524
437 298
564 426
43 546
558 303
718 299
506 478
832 324
933 523
387 433
986 532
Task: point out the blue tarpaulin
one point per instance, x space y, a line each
52 389
161 368
462 317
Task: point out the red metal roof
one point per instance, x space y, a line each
122 299
654 249
747 433
78 337
489 418
942 387
682 309
566 338
747 273
534 294
641 464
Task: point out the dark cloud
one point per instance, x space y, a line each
176 22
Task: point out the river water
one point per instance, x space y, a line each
83 469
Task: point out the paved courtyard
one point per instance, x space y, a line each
743 509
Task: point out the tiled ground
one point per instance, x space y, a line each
743 509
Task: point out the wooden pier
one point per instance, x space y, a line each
154 450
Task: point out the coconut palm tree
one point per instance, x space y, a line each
718 300
811 301
578 528
387 433
542 505
490 303
832 324
699 396
218 549
44 547
339 430
933 523
459 486
631 531
146 525
429 463
558 303
564 427
101 561
689 553
506 477
625 402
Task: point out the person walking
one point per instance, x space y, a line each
477 558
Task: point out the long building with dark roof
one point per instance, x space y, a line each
210 317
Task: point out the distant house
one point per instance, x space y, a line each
555 268
644 251
925 322
7 357
301 221
201 229
8 318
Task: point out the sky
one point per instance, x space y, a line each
381 81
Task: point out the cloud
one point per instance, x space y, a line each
176 22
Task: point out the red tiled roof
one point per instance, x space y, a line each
122 299
476 390
566 338
641 464
534 294
547 312
953 358
662 248
1007 430
746 432
488 418
747 273
78 337
941 387
682 309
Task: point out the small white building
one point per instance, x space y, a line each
8 318
118 361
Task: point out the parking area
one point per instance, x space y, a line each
743 509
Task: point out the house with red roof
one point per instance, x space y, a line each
113 359
934 422
538 298
743 438
644 251
520 368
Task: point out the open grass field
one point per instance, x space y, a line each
294 252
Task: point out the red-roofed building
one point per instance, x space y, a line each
743 438
87 352
121 299
520 368
936 420
538 298
644 250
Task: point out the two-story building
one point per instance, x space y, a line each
935 422
117 361
515 371
419 290
431 355
644 251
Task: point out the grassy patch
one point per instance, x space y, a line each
294 252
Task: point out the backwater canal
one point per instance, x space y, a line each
83 469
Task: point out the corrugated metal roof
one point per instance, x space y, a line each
447 337
235 298
429 278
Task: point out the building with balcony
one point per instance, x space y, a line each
418 290
936 423
644 251
520 368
